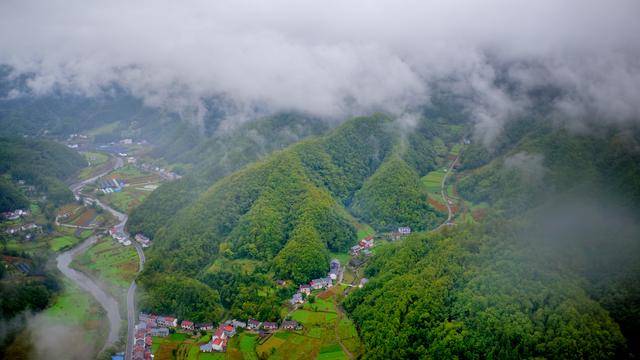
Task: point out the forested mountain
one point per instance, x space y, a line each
285 213
550 271
41 163
216 157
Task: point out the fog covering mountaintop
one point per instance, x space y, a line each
332 59
298 123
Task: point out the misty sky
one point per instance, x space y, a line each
332 58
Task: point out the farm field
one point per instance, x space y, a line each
138 185
112 263
100 165
78 312
323 326
433 180
364 231
184 346
63 242
96 158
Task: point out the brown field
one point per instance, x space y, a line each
437 205
85 218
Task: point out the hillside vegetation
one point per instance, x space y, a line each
289 210
549 273
41 163
215 158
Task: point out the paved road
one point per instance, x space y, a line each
131 306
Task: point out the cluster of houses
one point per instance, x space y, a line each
317 284
149 326
22 228
15 215
363 246
111 186
164 173
143 240
220 337
119 236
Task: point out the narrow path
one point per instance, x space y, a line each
340 313
443 191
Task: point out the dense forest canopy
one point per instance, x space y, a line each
288 211
40 163
549 273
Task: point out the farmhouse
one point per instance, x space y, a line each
290 325
239 324
334 269
355 250
167 321
218 344
404 230
321 283
204 326
270 326
253 324
305 289
296 299
143 240
229 330
219 339
161 332
187 325
366 243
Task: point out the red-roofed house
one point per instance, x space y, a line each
187 325
218 344
229 330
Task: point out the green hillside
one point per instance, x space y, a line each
394 196
41 163
549 273
289 210
217 157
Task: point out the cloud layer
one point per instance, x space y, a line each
333 58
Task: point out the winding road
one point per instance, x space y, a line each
443 190
109 303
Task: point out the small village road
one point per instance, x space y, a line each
443 191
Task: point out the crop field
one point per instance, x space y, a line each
111 262
323 325
80 314
187 347
100 165
127 199
138 186
63 242
364 231
433 180
96 158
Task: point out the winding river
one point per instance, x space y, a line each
108 302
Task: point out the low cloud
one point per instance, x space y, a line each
530 166
333 59
54 340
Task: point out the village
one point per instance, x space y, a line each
217 339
